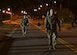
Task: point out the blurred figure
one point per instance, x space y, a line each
74 21
61 22
1 17
50 24
24 24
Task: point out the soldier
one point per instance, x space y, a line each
50 24
24 24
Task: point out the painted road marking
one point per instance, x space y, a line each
62 41
67 44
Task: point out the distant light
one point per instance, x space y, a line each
41 6
25 12
8 12
54 1
22 11
0 9
8 9
46 4
3 11
35 9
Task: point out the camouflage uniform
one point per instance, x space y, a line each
51 27
23 25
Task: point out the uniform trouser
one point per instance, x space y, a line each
24 29
49 34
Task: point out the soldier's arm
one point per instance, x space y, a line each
45 22
21 22
59 24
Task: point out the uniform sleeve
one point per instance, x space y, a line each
45 22
21 22
58 22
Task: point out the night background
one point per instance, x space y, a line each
28 5
17 37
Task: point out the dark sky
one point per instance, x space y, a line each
25 3
20 4
5 3
17 4
29 4
40 1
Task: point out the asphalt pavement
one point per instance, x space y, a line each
36 41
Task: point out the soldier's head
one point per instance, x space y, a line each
24 16
51 12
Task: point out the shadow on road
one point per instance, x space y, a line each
5 44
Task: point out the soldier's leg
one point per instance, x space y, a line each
23 30
53 40
49 39
26 30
